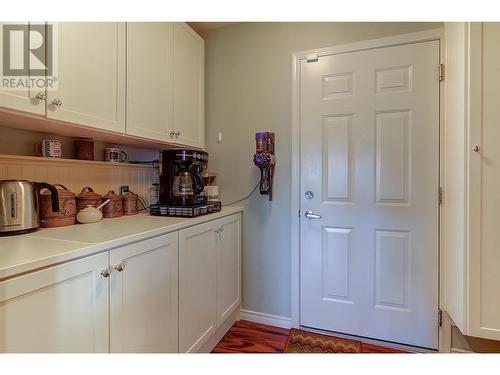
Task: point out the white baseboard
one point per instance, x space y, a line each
272 320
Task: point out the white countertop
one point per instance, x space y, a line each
49 246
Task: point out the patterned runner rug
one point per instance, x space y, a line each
306 342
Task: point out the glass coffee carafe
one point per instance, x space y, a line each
186 186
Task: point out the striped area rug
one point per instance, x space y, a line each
306 342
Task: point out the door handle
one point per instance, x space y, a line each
310 215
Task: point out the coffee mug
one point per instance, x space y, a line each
48 148
115 155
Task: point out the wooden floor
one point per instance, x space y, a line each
250 337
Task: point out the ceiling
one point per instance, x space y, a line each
201 27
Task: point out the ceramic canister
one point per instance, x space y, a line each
67 208
130 203
115 206
87 197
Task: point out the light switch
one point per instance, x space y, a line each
219 137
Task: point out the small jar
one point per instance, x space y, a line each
115 207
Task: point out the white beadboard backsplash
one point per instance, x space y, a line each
76 174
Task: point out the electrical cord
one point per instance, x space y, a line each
242 199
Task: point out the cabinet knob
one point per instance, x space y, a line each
57 102
172 134
105 273
41 96
119 267
177 133
476 148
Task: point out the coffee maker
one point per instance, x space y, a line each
182 186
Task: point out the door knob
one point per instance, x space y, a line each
119 267
310 215
57 102
105 273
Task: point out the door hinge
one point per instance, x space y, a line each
440 317
441 72
312 58
440 196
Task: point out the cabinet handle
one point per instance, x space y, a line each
105 273
119 267
57 102
41 96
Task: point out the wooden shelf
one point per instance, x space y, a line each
19 159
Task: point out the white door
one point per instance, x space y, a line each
228 266
197 286
370 158
30 99
144 296
58 309
188 86
149 80
91 77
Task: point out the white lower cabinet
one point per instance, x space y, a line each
172 293
228 266
197 286
144 296
58 309
209 279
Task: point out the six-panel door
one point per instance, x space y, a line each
91 75
58 309
144 296
197 286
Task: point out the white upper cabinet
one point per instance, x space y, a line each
188 86
472 178
149 80
91 75
144 296
27 100
57 309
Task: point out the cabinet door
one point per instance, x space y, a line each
149 80
197 286
228 266
58 309
91 78
20 99
188 113
144 296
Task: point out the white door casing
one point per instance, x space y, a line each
370 155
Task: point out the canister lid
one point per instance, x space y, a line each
112 195
88 192
62 191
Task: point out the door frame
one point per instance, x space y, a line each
297 57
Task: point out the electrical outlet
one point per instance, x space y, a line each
124 189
